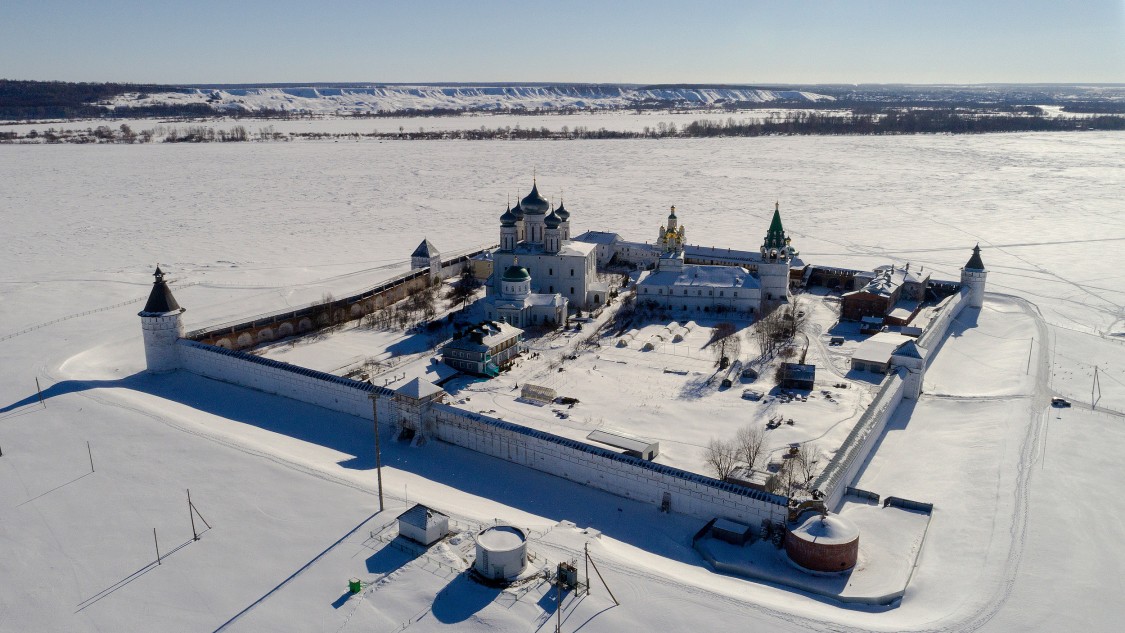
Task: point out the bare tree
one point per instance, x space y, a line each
725 343
806 462
751 443
464 289
770 332
721 456
782 481
799 313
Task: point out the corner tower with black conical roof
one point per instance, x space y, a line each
161 326
973 276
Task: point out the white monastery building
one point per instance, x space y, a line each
727 286
539 238
516 305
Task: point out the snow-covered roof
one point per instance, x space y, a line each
826 529
732 527
722 253
698 275
597 237
885 280
903 309
748 476
620 439
418 389
880 347
492 333
581 249
905 275
546 300
910 350
421 516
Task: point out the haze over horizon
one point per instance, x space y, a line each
493 41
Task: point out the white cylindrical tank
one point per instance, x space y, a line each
501 552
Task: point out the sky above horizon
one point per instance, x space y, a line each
859 41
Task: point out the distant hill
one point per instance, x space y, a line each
26 100
371 99
63 100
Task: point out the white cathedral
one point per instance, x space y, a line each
536 238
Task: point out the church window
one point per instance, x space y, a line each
571 272
736 293
550 271
550 289
720 293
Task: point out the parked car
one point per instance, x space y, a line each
1062 403
750 394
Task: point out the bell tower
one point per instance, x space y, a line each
773 271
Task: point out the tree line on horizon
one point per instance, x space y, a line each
914 121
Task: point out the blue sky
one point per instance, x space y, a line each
854 41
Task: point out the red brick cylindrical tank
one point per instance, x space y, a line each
823 542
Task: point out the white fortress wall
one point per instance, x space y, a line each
692 494
934 331
292 381
853 452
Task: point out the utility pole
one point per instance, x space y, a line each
558 607
587 568
1095 386
191 514
378 453
588 561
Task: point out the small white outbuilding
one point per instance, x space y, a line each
423 525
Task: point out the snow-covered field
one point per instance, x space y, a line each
328 125
1026 527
